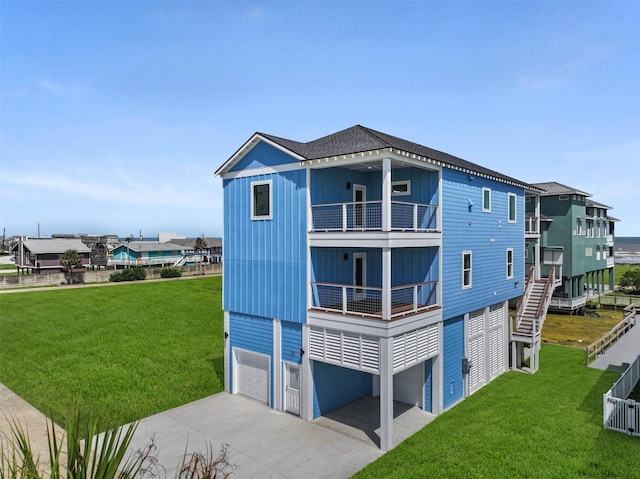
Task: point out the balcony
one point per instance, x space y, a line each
561 303
367 216
160 260
366 301
531 226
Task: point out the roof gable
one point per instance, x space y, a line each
552 188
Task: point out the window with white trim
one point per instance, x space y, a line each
486 200
579 227
509 263
512 208
401 188
261 202
466 269
598 253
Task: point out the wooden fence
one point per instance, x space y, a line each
620 413
601 345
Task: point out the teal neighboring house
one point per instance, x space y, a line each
146 253
577 238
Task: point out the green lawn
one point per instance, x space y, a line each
121 352
546 425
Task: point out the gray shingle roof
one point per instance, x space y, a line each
359 139
597 205
57 245
554 188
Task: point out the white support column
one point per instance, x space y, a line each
536 248
277 365
226 355
386 194
386 393
437 375
306 378
386 284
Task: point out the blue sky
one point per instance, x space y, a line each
115 115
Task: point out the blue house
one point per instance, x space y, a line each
364 264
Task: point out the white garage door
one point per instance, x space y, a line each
407 385
475 349
496 340
252 375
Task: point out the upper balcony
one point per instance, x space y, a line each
380 204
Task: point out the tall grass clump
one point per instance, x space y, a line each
88 455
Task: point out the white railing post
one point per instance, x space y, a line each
344 216
415 217
415 298
344 299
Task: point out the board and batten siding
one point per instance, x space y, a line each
452 354
253 334
486 235
291 342
265 260
263 155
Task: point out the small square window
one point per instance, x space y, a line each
466 269
486 200
261 200
512 208
401 188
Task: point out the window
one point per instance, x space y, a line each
466 269
509 263
597 231
579 227
590 229
261 200
563 197
526 253
598 253
588 251
401 188
512 208
486 200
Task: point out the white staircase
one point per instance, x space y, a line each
531 313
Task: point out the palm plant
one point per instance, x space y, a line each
69 260
89 455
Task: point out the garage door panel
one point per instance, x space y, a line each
408 385
252 375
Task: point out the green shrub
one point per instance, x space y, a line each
135 273
170 273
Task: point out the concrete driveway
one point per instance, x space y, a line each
263 443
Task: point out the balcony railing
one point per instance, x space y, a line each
366 301
558 302
144 261
367 216
531 225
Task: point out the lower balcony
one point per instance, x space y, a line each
366 301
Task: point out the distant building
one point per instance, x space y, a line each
165 237
145 253
42 255
212 253
577 239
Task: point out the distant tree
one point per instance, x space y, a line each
200 245
69 260
631 278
